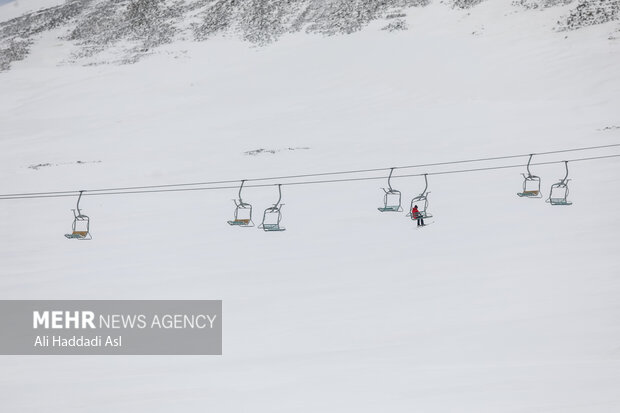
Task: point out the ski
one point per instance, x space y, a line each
425 225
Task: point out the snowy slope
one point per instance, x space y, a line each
10 9
125 31
502 305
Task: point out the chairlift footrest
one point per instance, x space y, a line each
240 223
390 209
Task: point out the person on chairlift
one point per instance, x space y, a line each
415 213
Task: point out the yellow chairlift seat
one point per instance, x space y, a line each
243 212
530 181
80 229
239 222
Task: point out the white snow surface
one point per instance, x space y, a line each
14 8
502 305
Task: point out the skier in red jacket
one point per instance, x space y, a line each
415 214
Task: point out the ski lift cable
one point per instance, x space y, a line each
129 189
146 191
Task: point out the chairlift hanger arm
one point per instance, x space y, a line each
565 179
390 179
240 189
529 174
78 204
276 205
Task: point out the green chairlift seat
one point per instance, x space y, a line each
392 199
273 215
559 191
423 197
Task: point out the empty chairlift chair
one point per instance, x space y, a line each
81 224
559 191
243 212
392 198
531 184
422 198
273 215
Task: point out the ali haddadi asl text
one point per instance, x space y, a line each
78 341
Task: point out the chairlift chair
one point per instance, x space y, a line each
559 191
273 215
531 184
392 198
423 197
243 212
81 224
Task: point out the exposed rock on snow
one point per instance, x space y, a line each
144 24
135 27
541 4
586 13
17 35
261 151
399 24
589 13
465 4
38 166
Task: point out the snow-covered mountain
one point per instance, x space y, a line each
137 27
503 304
